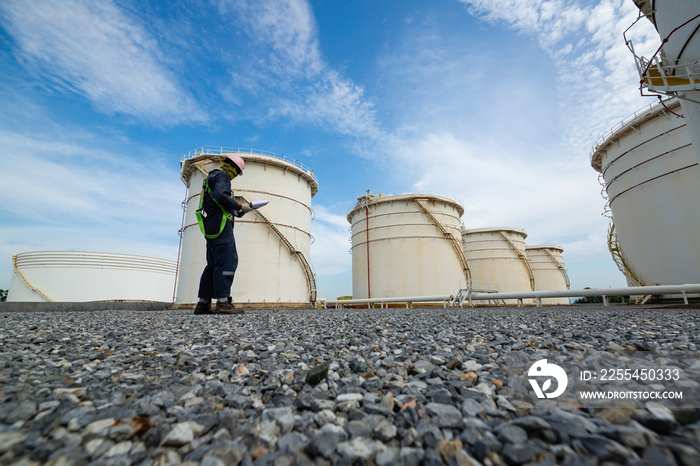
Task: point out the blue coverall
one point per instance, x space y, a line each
222 256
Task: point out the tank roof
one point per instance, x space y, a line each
495 229
372 199
92 259
545 246
627 125
188 162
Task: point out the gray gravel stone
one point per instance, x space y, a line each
511 434
383 386
444 415
605 449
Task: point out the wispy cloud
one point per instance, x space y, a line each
98 50
596 73
291 75
66 193
76 181
331 242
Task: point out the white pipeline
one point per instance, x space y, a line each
536 295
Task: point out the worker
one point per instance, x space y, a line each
216 213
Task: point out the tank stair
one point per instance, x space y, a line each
662 75
523 259
308 272
642 299
561 268
26 282
464 294
664 78
454 242
619 258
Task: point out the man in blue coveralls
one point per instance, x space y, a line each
217 210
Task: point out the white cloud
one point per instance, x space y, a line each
65 193
597 76
96 49
288 27
548 199
74 180
329 251
292 76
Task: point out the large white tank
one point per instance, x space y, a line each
273 243
497 260
548 269
406 245
677 69
652 185
67 276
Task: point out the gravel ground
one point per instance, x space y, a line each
396 386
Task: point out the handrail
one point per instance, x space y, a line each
658 51
619 258
522 257
692 288
305 265
218 150
560 266
625 121
26 282
673 66
456 245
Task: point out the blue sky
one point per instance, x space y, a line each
494 103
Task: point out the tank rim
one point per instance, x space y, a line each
495 229
187 165
545 246
381 199
646 113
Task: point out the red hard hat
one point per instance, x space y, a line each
237 161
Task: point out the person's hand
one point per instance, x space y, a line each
245 208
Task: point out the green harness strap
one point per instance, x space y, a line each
200 219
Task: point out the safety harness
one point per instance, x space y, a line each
200 217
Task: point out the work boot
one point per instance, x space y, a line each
203 308
227 308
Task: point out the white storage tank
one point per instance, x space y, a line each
548 269
274 242
67 276
676 70
652 185
497 260
406 245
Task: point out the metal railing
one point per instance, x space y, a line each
624 122
219 150
664 75
683 290
294 248
559 266
16 269
522 257
454 242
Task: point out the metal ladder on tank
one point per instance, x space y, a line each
662 75
456 245
523 259
560 267
15 267
619 258
308 272
465 292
